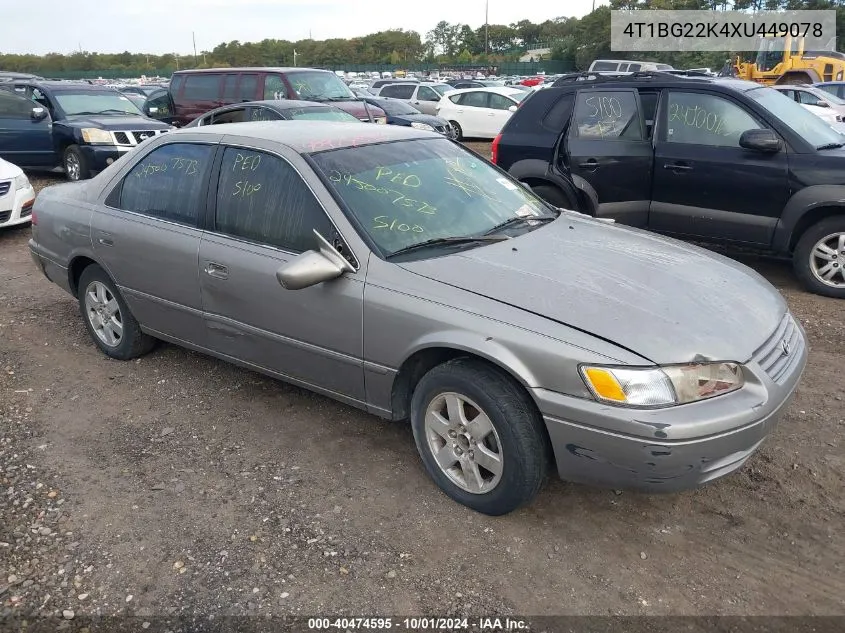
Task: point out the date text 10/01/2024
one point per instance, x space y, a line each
490 623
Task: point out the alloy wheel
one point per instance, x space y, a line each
464 443
72 166
103 313
827 259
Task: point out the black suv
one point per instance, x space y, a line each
717 160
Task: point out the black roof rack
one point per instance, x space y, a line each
601 77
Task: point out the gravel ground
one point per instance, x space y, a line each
179 485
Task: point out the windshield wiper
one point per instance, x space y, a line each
518 220
831 146
449 240
114 110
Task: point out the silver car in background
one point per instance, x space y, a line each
398 272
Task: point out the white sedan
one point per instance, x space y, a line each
16 195
479 112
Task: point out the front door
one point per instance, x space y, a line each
147 237
265 215
426 100
473 110
705 184
609 154
26 132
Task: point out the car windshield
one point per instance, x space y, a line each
394 107
317 85
92 102
415 191
809 126
320 114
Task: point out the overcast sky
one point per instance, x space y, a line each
164 26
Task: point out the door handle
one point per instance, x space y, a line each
491 114
677 166
460 111
216 270
105 241
591 163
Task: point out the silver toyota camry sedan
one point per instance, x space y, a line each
396 271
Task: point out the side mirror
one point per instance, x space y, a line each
822 104
38 114
761 141
512 108
313 267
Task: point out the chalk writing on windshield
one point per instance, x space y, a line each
392 224
398 198
406 180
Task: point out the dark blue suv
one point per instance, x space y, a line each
78 126
718 160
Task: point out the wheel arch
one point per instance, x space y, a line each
806 207
75 268
803 76
812 217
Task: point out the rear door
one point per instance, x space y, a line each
26 137
472 113
705 184
609 154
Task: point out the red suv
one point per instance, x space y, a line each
195 92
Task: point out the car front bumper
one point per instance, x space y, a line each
674 448
99 157
16 206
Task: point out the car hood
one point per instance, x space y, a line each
434 121
664 300
356 109
9 170
115 123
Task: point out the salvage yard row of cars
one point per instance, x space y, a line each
525 313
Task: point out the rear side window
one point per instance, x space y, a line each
247 88
230 88
456 99
168 183
634 67
261 198
474 99
398 91
702 119
607 115
202 87
500 102
14 107
602 66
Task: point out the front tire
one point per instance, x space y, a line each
480 436
819 258
107 317
75 164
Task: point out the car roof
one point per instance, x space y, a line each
280 104
651 78
76 86
503 90
251 69
308 137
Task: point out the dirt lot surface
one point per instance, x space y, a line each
180 484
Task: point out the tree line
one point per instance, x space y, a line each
574 40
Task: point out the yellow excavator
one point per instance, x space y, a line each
783 60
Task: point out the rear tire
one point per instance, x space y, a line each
819 258
480 436
459 132
75 164
107 317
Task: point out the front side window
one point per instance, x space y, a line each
500 102
398 91
274 87
316 84
427 94
264 114
168 183
202 87
607 115
314 113
604 66
702 119
261 198
808 98
412 191
14 107
237 115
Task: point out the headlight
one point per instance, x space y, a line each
22 182
95 135
421 126
662 386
